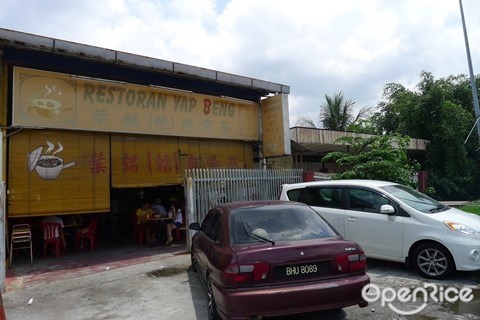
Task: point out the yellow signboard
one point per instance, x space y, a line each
275 129
54 100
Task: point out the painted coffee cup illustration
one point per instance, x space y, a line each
46 108
47 166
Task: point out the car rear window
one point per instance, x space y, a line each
277 223
294 194
327 197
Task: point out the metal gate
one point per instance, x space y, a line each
205 188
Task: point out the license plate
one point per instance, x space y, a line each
301 270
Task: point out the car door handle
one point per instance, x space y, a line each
352 219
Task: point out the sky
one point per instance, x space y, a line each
317 47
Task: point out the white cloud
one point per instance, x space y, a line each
316 47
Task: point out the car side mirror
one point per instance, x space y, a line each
387 209
194 226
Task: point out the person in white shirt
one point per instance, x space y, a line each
177 216
56 219
158 208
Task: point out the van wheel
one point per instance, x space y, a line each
212 306
433 261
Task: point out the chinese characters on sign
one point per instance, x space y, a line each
98 163
55 100
165 163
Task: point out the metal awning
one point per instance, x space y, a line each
34 51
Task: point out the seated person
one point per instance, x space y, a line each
142 214
177 216
158 208
56 219
79 220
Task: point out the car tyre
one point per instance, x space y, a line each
212 306
433 261
193 259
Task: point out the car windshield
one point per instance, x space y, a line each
415 199
274 223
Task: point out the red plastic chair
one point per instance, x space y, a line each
87 234
138 232
52 234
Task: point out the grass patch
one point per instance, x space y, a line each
472 207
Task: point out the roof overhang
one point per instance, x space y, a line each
34 51
318 142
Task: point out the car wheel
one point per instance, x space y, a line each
193 259
212 306
433 261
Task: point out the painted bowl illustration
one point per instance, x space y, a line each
47 108
49 167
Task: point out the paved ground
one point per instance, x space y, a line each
156 283
130 283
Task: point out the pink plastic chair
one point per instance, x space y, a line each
89 234
52 234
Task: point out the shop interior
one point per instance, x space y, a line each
114 229
125 202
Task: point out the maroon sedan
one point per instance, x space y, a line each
274 258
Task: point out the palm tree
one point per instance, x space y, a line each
335 114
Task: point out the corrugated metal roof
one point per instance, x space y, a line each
36 42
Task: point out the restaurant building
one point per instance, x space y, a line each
80 123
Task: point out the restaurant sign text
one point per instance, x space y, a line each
55 100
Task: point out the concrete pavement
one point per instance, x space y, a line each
136 282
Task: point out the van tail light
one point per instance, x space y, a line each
246 273
350 262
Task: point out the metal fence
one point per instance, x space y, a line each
320 176
205 188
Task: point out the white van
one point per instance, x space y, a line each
397 223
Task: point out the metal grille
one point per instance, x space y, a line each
205 188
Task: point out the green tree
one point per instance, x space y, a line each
335 114
441 111
376 157
367 125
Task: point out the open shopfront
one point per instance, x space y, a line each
84 125
93 144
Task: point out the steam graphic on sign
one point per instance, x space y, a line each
47 107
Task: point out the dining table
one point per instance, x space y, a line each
159 218
159 223
72 224
67 224
70 227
